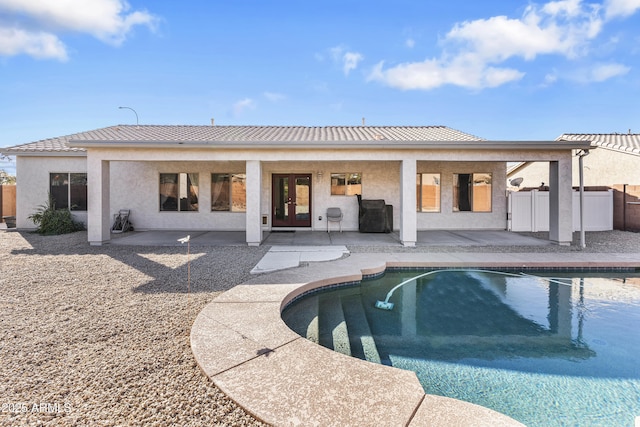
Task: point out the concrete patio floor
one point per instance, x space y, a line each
322 238
290 249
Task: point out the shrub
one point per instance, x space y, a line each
50 220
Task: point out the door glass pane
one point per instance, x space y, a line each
281 197
302 198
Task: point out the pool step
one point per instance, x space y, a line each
332 326
361 340
338 323
302 318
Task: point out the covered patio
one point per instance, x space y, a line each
479 238
261 179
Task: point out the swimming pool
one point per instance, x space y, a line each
544 349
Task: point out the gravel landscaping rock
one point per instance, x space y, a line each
596 242
100 335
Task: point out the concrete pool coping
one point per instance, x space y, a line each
241 343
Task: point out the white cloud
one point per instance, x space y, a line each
410 43
434 73
621 8
348 60
604 72
550 79
274 97
241 106
37 25
14 41
473 52
600 73
567 7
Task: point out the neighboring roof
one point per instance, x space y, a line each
177 136
623 142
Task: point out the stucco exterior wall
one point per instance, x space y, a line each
32 184
134 182
602 167
380 180
135 186
447 218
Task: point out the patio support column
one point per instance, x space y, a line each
560 202
98 215
408 216
254 187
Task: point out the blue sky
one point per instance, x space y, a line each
499 69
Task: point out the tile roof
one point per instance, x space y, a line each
50 145
245 134
623 142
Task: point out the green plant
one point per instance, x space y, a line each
6 179
50 220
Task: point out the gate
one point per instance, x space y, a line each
529 211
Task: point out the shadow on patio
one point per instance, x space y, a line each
322 238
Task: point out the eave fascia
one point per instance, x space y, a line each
333 145
45 153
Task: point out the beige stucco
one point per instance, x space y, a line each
379 181
447 218
127 178
135 186
32 190
602 167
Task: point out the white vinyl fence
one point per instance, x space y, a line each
529 210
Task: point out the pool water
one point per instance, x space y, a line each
544 350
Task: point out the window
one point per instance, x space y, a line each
229 192
428 192
69 190
472 192
179 192
346 184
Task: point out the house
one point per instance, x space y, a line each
261 178
616 161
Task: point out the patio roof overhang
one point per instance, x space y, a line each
381 145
